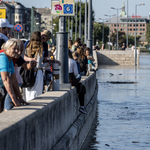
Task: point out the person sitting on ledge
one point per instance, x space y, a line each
73 73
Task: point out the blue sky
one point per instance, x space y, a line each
100 7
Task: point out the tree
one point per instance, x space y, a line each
122 38
148 33
56 21
98 33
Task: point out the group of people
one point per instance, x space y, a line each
34 55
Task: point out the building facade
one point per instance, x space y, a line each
16 13
141 24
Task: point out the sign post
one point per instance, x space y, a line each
18 28
63 8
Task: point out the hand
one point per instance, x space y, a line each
56 61
33 63
23 102
16 103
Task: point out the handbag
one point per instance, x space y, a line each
28 77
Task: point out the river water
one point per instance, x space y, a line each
123 112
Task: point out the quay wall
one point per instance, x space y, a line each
117 57
51 121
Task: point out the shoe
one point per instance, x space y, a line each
82 110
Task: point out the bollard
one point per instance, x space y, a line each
56 84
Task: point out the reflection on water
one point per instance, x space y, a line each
123 112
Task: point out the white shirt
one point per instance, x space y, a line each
73 67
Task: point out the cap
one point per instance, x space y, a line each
47 33
5 23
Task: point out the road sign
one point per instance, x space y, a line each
63 7
3 13
18 28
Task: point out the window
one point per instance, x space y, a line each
130 29
140 25
130 25
120 29
121 25
124 25
124 29
130 33
143 25
143 29
114 25
140 33
143 33
140 29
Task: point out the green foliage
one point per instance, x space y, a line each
56 21
148 32
122 38
98 33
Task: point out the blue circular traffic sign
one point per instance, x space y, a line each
18 27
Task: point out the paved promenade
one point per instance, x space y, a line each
123 119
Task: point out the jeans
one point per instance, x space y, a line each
8 104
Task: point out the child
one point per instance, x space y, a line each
76 57
91 65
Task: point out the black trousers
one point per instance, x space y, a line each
81 90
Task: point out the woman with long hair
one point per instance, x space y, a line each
82 61
34 49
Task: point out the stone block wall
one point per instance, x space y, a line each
51 121
126 58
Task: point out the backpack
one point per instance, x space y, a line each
28 77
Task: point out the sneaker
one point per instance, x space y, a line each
82 110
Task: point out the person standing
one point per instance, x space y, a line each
5 31
123 46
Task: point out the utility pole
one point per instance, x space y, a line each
80 26
85 27
71 28
68 27
76 20
89 41
127 24
62 48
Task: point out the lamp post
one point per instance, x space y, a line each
103 30
85 28
135 31
117 22
80 26
89 41
127 24
109 26
76 20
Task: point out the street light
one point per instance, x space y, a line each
103 30
135 31
117 22
109 26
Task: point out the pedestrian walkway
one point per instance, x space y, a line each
123 108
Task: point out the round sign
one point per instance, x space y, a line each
18 27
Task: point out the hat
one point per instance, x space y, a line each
5 23
47 33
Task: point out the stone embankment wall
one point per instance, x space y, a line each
119 57
51 121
